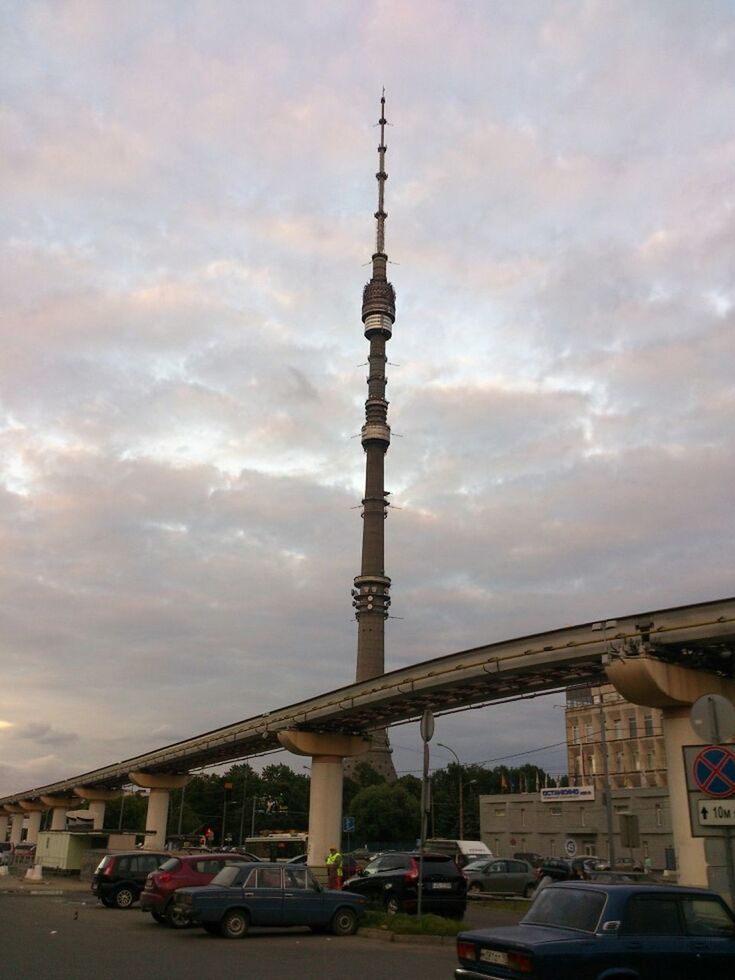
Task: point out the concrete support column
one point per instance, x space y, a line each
689 850
35 811
16 825
160 786
674 689
59 805
34 826
96 799
3 825
325 801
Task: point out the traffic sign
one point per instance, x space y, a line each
714 814
570 847
713 771
713 718
348 825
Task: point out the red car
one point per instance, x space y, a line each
179 872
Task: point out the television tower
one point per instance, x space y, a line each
371 597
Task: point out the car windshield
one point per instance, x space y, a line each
566 908
475 866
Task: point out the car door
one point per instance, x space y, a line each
372 882
710 932
519 877
496 877
303 899
263 894
651 938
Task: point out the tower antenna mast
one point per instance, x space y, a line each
371 592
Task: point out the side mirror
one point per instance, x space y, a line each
612 925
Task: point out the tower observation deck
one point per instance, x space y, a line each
371 592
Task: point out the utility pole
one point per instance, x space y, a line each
461 789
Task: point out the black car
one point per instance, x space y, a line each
390 882
119 878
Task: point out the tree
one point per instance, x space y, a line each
386 812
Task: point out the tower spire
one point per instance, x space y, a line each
371 592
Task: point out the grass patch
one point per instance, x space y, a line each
412 925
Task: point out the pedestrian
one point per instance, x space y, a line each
647 864
334 868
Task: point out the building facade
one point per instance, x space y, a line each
514 822
600 723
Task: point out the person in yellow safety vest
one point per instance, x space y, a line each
334 868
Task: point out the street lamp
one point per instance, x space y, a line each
461 789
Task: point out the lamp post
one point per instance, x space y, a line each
461 789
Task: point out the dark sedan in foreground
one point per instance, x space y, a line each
268 894
595 932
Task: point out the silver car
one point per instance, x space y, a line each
500 875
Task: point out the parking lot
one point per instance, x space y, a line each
63 938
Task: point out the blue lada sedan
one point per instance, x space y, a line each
265 894
590 931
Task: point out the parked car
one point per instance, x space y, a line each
533 858
590 931
390 882
268 894
119 878
504 875
180 871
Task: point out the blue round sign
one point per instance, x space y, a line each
714 771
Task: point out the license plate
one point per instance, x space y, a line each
494 956
441 884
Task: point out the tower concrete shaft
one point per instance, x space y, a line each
371 593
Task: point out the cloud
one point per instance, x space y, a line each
187 218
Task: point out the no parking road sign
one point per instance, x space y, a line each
713 771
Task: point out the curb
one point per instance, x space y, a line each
384 935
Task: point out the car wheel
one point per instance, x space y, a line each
392 905
344 922
124 897
475 888
107 901
158 917
528 891
176 918
235 924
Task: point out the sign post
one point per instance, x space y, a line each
427 732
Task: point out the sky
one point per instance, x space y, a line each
187 221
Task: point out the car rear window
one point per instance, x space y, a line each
567 908
173 864
105 862
437 862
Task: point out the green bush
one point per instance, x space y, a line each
412 925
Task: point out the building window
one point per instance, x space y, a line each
591 767
632 727
620 762
582 813
637 761
648 724
659 815
575 733
588 731
650 761
555 810
618 729
500 812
